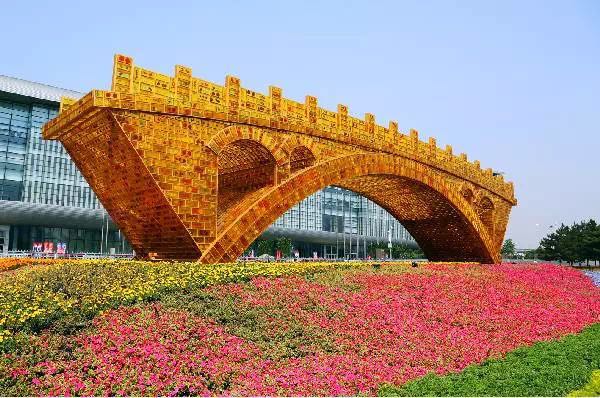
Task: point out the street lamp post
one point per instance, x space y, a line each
390 240
102 233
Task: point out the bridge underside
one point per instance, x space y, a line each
440 229
128 189
444 232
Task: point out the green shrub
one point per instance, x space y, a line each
552 368
591 389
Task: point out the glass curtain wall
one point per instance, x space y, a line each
14 124
352 218
341 211
37 171
50 175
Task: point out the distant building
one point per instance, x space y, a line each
44 199
337 223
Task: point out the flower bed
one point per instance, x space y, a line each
35 297
341 332
9 264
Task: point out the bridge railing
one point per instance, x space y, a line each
140 89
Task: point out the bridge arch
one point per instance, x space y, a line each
484 206
245 168
242 132
433 210
300 158
167 153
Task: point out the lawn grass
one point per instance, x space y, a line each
552 368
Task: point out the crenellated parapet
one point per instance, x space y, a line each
139 89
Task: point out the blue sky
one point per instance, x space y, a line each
515 84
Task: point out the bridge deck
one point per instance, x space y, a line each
391 142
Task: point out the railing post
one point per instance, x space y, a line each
232 97
310 111
275 106
183 84
342 120
122 79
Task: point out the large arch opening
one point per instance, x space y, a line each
337 223
245 168
437 226
432 210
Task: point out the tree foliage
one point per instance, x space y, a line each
269 246
399 251
284 244
265 247
508 248
576 243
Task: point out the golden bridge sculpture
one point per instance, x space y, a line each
193 170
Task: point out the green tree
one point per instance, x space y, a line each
589 240
595 244
508 248
559 245
284 244
550 248
264 247
576 243
399 251
532 254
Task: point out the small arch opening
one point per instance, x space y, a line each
301 158
485 211
467 193
245 167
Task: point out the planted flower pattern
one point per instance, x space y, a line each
45 290
349 332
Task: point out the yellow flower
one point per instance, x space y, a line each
66 286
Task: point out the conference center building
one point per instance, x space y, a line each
46 204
